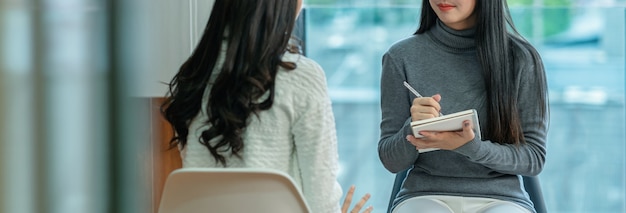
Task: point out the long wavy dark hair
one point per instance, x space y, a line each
257 33
497 45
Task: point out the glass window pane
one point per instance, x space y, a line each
583 52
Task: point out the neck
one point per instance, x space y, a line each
452 39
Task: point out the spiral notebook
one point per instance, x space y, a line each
450 122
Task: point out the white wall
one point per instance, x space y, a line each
160 36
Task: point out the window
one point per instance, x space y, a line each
71 137
582 46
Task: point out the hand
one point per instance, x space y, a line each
425 107
443 140
358 206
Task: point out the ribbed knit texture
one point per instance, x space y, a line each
444 61
296 135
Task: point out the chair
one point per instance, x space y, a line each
531 184
195 190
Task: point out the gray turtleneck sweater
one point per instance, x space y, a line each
444 61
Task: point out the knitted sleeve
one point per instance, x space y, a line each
315 140
394 151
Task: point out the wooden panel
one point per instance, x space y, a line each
165 160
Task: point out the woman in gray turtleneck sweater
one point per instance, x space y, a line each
462 57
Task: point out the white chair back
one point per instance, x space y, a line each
236 190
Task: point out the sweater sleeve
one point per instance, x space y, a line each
394 151
524 159
316 143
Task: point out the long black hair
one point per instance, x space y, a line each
497 45
256 34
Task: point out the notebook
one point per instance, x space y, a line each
450 122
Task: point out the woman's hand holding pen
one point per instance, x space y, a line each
428 107
425 107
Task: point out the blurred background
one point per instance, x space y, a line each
78 79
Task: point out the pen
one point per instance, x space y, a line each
408 86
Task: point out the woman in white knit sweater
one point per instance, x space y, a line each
245 98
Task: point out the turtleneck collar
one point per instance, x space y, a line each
451 39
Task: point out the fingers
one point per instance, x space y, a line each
419 143
443 140
361 203
347 200
467 125
468 129
423 108
427 102
419 112
437 97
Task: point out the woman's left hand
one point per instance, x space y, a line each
443 140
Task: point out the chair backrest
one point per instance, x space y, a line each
533 187
531 184
195 190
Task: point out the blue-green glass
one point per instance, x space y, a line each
583 52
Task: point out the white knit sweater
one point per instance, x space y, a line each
296 135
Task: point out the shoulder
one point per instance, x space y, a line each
404 44
522 49
303 90
303 63
527 61
306 68
407 45
307 77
